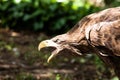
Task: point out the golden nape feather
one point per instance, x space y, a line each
97 33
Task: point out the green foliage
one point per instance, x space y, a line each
57 77
99 63
4 45
115 78
115 3
45 15
24 76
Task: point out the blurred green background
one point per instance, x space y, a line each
50 16
24 23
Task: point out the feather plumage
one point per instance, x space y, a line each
99 33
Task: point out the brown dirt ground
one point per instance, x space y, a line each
20 60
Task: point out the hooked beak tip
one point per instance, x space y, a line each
42 44
47 43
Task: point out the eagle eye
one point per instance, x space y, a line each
58 41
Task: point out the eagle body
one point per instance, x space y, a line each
97 33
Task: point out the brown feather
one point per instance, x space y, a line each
98 33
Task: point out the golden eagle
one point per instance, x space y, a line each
97 33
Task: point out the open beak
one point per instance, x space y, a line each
49 43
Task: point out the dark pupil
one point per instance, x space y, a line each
57 40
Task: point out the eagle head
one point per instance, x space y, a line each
60 43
